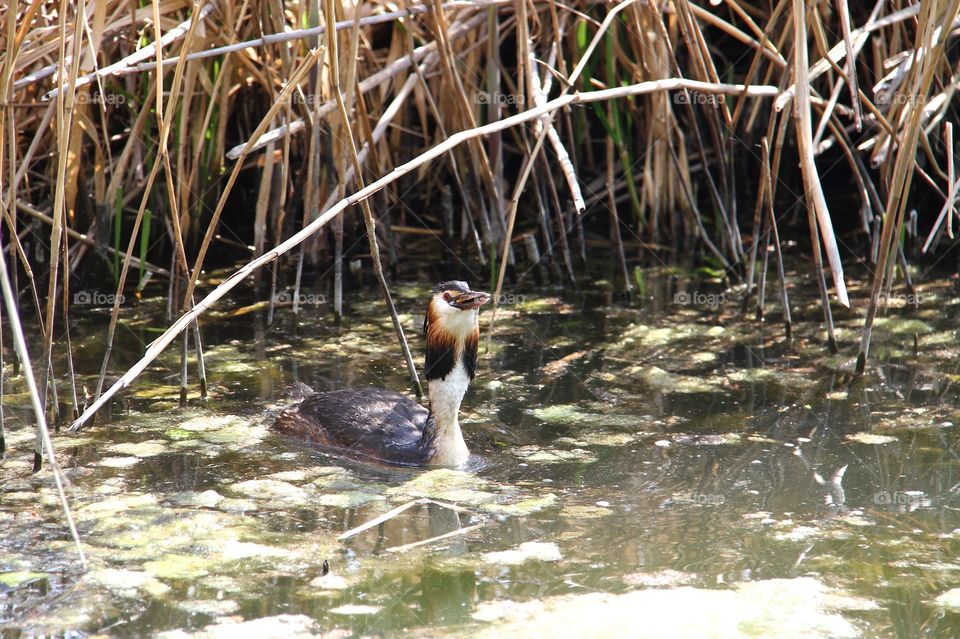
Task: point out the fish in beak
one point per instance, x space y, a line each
470 300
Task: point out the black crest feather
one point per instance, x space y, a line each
452 285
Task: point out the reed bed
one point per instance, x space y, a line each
134 139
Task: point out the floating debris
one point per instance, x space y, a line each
871 438
355 609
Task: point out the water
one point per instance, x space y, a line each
667 469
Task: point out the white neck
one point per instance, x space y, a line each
445 397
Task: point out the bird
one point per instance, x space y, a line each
386 426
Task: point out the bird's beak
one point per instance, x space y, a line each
473 299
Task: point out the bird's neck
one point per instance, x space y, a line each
445 397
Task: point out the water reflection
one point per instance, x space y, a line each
652 449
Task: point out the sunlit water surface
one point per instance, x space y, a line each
666 469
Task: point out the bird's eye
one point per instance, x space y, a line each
449 296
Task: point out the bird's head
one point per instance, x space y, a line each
453 310
451 327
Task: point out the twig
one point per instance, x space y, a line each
376 521
953 186
781 273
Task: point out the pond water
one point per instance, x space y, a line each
666 469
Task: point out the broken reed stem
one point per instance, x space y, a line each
617 237
762 284
755 242
781 271
387 516
159 344
808 168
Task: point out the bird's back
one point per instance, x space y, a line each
370 422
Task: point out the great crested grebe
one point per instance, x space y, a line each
377 423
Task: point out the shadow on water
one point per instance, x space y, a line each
616 452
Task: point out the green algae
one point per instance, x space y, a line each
573 414
348 499
540 455
206 499
209 607
902 325
203 423
178 566
18 578
148 448
118 462
329 582
445 484
527 551
522 507
662 380
110 507
127 583
584 511
271 492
